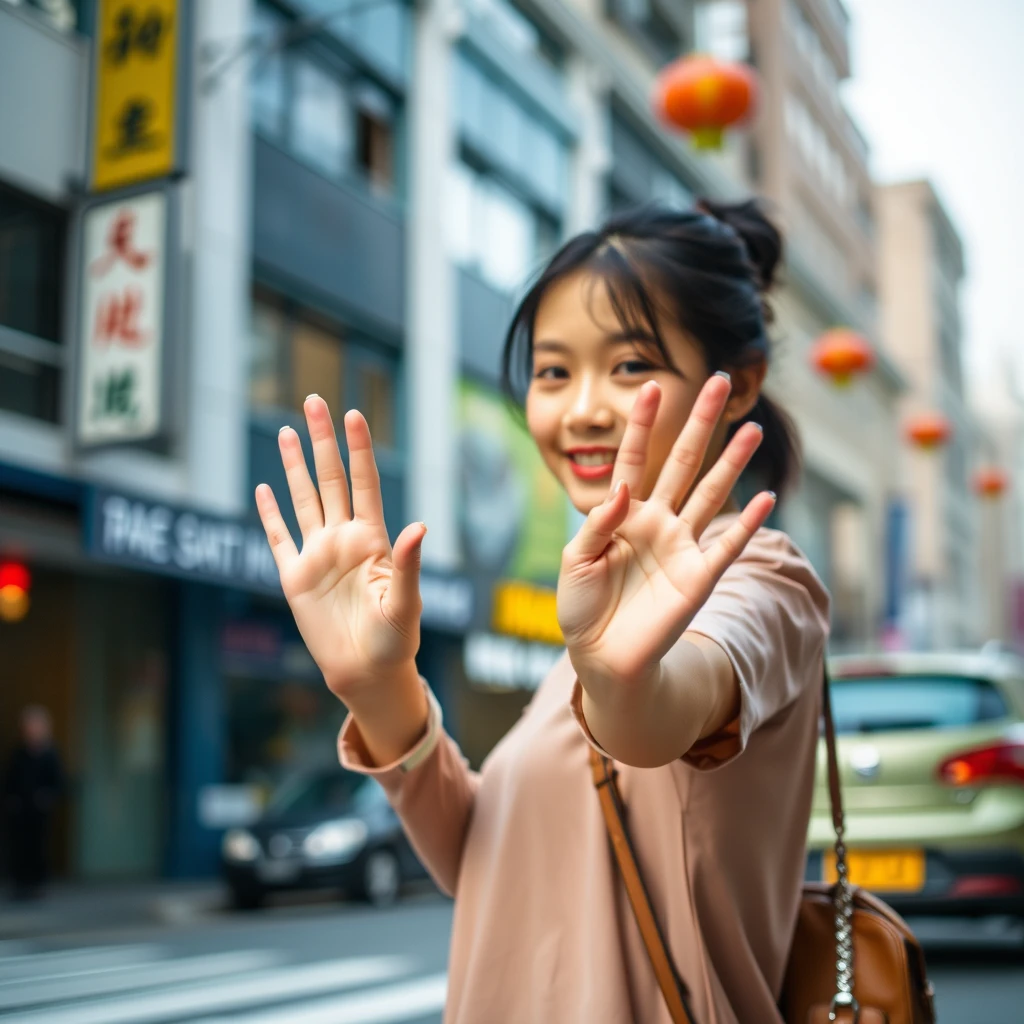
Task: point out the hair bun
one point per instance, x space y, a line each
761 237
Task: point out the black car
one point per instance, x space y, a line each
323 829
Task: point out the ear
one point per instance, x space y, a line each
746 389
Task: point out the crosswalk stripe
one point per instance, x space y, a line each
227 994
407 1000
71 960
108 980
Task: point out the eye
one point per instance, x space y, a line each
635 366
551 373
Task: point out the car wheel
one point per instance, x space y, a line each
247 897
382 878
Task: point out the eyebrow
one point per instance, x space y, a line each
616 338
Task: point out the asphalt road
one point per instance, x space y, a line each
327 963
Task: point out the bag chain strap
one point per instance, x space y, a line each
842 893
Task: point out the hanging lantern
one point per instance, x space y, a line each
841 354
14 585
929 430
704 96
990 482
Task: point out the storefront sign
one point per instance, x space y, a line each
505 663
156 536
134 93
121 334
526 611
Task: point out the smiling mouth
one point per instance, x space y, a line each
592 465
593 458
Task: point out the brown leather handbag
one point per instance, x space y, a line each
853 958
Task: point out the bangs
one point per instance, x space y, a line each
637 307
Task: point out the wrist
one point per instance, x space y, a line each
392 713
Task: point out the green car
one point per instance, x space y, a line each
931 756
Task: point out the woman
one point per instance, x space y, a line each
694 641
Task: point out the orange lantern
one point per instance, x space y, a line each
704 96
841 353
14 584
929 430
990 482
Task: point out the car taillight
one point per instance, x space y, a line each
1000 761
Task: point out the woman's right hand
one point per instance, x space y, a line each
356 600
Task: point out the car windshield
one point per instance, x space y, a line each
324 791
888 704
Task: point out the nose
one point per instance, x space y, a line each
588 409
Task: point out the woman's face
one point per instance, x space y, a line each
587 372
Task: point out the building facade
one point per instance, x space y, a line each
921 265
345 202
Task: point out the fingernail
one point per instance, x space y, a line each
761 428
773 494
722 373
284 428
313 395
617 487
424 525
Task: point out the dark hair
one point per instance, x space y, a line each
708 269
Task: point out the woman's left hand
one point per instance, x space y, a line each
634 576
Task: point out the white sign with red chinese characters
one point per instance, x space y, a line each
123 273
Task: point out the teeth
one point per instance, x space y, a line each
593 458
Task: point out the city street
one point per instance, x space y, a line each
327 963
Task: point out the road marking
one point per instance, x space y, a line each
228 994
108 980
407 1000
72 960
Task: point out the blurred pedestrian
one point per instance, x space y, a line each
32 787
695 644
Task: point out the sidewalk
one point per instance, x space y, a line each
78 907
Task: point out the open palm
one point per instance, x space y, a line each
355 599
635 575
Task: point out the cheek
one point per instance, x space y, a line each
541 420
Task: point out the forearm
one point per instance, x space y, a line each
654 721
391 714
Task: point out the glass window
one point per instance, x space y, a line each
913 702
376 397
267 82
509 231
321 119
30 265
316 357
266 355
28 388
375 154
461 212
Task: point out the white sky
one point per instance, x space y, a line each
938 88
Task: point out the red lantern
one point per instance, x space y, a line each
14 584
990 482
704 96
929 430
841 353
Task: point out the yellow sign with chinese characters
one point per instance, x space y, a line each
134 95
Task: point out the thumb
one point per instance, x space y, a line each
596 531
403 597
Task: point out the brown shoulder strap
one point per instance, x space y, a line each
604 773
671 984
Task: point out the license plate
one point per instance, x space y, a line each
278 870
880 870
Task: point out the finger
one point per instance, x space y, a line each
306 501
714 489
687 455
596 532
366 499
330 470
631 461
730 545
280 540
402 603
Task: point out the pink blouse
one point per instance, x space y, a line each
543 930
